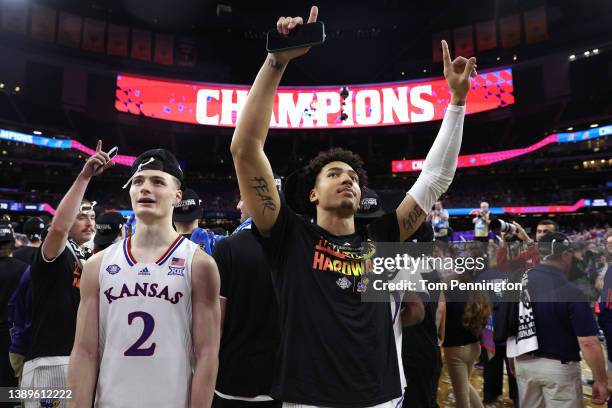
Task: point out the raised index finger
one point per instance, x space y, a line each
445 55
314 13
99 146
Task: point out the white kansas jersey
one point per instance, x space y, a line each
145 328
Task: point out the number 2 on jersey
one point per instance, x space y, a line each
149 325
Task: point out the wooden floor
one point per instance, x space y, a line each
447 399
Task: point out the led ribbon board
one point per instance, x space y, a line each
13 136
17 206
388 104
553 208
486 159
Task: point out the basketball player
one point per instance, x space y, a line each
407 307
249 318
150 307
55 275
336 351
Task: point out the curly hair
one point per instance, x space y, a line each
313 168
477 309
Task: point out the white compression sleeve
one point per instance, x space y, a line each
441 161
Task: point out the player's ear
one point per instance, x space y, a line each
313 196
178 197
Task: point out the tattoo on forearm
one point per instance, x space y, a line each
260 185
411 221
275 64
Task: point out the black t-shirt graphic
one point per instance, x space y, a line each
336 350
251 333
55 301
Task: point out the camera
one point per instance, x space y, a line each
503 226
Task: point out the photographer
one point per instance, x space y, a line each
481 223
438 216
530 256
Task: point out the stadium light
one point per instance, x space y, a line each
596 51
37 132
1 85
587 53
17 88
594 125
572 57
514 57
570 129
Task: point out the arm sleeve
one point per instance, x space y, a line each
441 161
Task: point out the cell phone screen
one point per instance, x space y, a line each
302 36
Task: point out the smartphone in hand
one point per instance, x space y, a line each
303 35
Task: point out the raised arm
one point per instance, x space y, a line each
206 328
83 368
441 161
253 168
68 208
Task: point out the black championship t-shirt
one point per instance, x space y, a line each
251 334
55 301
336 351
